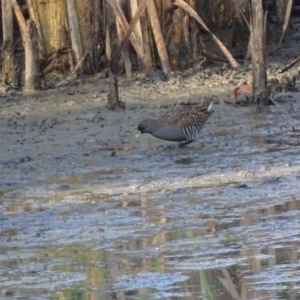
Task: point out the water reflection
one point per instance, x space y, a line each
179 244
248 274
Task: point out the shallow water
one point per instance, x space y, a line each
209 243
139 220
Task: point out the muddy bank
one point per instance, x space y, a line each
56 132
87 210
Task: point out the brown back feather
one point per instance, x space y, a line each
188 116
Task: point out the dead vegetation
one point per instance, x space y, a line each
77 37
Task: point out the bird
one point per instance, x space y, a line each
179 125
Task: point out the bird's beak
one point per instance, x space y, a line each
138 134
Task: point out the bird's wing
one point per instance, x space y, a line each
204 106
185 117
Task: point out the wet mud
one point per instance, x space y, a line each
90 212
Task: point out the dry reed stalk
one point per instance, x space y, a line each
286 21
147 38
133 37
135 19
74 31
34 15
134 8
125 49
8 40
30 42
158 37
192 12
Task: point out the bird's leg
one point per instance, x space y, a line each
202 143
184 143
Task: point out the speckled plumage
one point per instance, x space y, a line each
180 124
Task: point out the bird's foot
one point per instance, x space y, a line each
180 145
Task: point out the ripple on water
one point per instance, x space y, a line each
220 221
